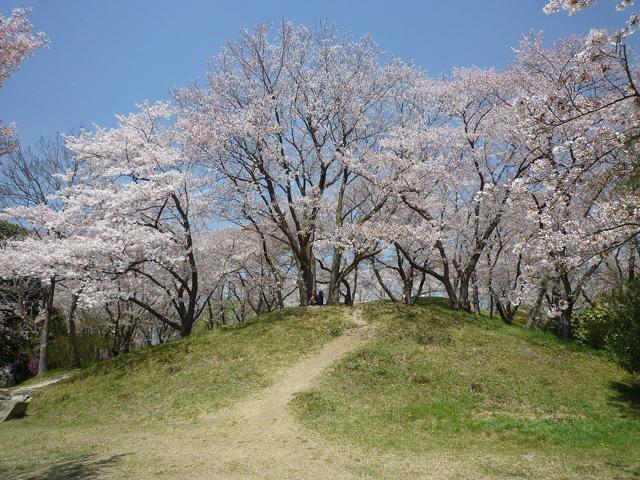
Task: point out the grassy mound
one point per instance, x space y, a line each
437 381
158 388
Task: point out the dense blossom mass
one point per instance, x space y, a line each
306 162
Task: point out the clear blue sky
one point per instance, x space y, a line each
106 55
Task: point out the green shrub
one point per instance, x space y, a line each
593 325
90 348
623 341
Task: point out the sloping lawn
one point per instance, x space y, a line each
516 403
155 390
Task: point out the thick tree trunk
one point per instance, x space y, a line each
451 292
333 293
463 301
306 275
505 312
44 336
348 297
563 329
407 289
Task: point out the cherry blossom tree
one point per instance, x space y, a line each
279 123
17 43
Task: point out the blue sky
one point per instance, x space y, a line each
106 55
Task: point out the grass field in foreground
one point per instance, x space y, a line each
434 381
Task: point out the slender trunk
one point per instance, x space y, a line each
384 286
44 337
633 246
355 285
490 306
476 296
534 313
563 327
73 339
415 297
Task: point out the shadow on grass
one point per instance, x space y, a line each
86 466
627 398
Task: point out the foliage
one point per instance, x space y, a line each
9 230
17 43
593 325
19 306
91 348
623 340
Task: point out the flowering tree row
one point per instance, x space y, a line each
306 161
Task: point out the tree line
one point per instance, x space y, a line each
306 160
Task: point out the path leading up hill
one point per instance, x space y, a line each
41 384
259 438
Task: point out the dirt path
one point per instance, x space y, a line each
259 437
41 384
263 440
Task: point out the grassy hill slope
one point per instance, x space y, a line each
516 403
432 394
158 389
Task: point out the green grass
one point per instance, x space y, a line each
159 388
437 381
432 388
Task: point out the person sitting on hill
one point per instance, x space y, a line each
320 298
312 299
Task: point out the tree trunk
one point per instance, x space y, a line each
563 329
505 312
348 298
490 306
407 289
333 292
476 296
306 276
44 337
463 302
633 246
73 339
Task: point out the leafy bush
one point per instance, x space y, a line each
623 340
593 325
90 348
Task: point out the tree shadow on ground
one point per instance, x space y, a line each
84 467
627 397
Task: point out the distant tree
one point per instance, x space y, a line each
30 176
19 306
